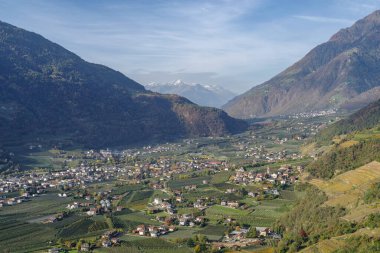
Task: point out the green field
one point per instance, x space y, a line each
221 177
138 218
146 245
213 232
138 199
182 233
179 183
225 211
19 230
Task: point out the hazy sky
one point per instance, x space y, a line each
233 43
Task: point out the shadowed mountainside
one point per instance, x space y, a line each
47 92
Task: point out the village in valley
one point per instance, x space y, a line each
174 192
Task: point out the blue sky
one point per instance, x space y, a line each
233 43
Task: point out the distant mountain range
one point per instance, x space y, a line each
205 95
341 73
49 93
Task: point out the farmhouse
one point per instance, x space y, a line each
85 247
92 211
237 234
152 231
263 231
233 204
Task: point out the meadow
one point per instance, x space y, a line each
179 183
19 231
146 245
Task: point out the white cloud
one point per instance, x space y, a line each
324 19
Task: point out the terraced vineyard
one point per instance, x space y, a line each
325 246
345 189
358 213
340 242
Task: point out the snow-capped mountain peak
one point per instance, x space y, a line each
209 95
178 82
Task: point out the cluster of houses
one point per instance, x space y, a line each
269 156
240 234
255 146
236 235
282 176
33 184
93 205
27 186
201 203
153 231
314 114
55 218
161 205
232 204
4 201
165 168
79 176
305 128
181 219
110 238
243 237
190 220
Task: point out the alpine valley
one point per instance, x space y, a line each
91 161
